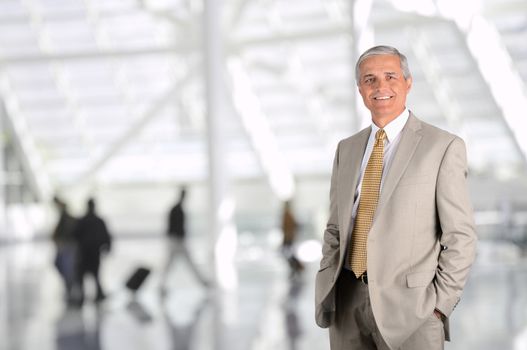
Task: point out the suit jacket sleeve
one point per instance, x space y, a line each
331 244
457 226
325 278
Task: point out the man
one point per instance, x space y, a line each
290 230
400 237
93 240
65 258
177 234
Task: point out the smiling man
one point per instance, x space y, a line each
383 86
400 238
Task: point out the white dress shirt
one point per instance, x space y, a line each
393 136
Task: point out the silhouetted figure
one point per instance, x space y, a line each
177 235
93 239
290 229
65 258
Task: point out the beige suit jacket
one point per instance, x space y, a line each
422 242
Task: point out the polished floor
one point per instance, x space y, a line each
265 311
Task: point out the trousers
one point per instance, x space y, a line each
354 327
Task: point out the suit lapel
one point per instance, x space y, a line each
405 150
349 176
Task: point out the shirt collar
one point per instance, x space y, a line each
393 128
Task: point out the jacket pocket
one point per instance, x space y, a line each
323 267
420 279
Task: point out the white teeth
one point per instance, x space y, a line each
382 98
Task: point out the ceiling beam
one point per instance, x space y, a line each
437 80
504 7
92 54
235 47
259 131
502 77
497 68
24 144
128 135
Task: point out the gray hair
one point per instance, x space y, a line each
383 50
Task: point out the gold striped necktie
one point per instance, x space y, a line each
369 197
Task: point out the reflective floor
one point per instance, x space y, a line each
266 310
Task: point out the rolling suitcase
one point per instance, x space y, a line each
136 280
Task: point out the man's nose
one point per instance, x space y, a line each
380 83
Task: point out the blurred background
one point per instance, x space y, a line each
242 102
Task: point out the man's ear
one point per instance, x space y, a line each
409 82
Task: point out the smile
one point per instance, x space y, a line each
382 98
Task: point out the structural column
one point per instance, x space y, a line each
223 236
362 37
3 179
221 209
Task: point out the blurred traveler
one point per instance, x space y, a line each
400 238
176 232
290 230
65 258
93 240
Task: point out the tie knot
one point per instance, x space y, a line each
380 135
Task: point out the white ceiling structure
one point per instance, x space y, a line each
112 91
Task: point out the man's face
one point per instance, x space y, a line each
383 87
